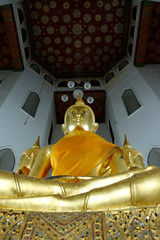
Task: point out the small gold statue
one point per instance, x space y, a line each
87 160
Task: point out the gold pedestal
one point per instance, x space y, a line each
131 224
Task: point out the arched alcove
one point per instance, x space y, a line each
7 159
31 104
154 157
130 101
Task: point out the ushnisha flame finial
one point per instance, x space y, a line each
126 144
36 144
79 101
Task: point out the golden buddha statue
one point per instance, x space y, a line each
87 160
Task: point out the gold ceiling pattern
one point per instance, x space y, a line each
73 38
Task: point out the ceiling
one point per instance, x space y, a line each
78 38
73 39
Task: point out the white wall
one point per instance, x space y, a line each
143 126
18 130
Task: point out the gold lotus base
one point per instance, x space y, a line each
133 224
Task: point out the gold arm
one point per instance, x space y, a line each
42 163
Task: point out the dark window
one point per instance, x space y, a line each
94 83
122 65
24 35
7 159
50 134
154 157
111 132
31 104
130 49
26 50
130 101
134 13
62 84
20 16
132 31
35 68
109 76
48 79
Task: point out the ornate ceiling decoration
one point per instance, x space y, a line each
148 43
78 39
10 55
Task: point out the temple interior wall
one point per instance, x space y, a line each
141 127
19 131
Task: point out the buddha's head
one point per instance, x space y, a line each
79 116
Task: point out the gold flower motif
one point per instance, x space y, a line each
100 3
91 28
63 29
107 6
98 17
77 44
36 30
76 13
119 12
99 51
57 40
46 8
55 18
34 15
65 5
77 29
87 50
118 28
38 5
117 43
53 4
66 18
50 30
104 28
115 3
108 39
87 39
60 59
109 17
87 4
87 17
68 50
97 39
47 40
44 19
106 48
50 49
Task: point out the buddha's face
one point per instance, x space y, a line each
79 117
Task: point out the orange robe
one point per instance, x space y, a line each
79 152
